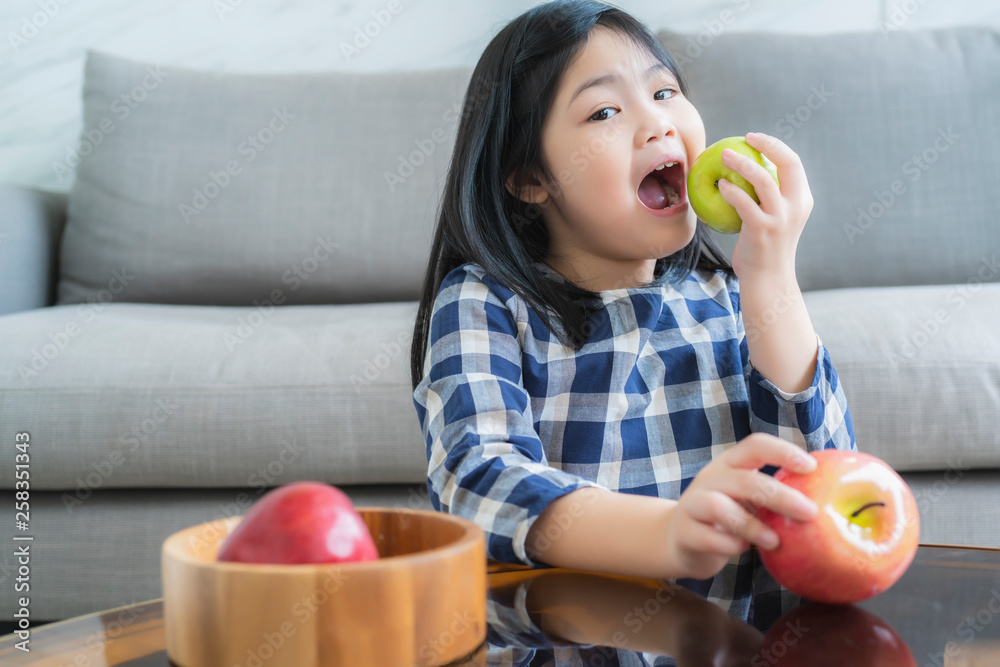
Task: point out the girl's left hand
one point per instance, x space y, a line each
770 231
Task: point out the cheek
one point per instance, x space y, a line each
603 165
693 130
599 171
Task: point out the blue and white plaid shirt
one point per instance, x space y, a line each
513 419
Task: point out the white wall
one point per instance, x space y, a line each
43 43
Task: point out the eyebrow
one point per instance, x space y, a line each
604 79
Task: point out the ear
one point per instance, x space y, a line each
530 191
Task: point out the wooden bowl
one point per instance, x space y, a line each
422 603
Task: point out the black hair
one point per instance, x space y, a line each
499 133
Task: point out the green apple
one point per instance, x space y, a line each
703 184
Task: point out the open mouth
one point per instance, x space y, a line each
663 188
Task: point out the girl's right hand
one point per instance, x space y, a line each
714 519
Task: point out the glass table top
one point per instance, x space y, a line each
944 611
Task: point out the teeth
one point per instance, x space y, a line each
669 164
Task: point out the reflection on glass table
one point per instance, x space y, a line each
940 613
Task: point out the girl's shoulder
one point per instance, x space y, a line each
469 281
471 272
469 285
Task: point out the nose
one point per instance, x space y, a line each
656 125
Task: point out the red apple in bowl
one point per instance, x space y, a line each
300 522
861 541
817 635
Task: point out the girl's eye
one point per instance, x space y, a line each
601 111
672 91
597 113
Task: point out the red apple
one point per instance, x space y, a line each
861 541
817 635
301 522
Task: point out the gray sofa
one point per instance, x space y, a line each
224 300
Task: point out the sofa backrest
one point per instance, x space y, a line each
230 189
899 134
235 188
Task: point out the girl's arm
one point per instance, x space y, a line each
793 389
782 343
780 336
485 460
599 530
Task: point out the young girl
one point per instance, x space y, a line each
597 387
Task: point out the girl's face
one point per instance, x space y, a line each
600 144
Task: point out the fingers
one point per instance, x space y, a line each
737 198
712 540
717 514
765 187
791 173
696 548
762 490
761 449
729 518
745 482
706 537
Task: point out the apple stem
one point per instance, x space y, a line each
864 507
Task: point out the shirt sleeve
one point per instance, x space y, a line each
485 460
816 417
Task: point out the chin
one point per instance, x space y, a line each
673 238
687 227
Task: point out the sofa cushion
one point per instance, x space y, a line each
217 188
150 395
904 126
920 367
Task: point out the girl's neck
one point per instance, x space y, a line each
603 275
